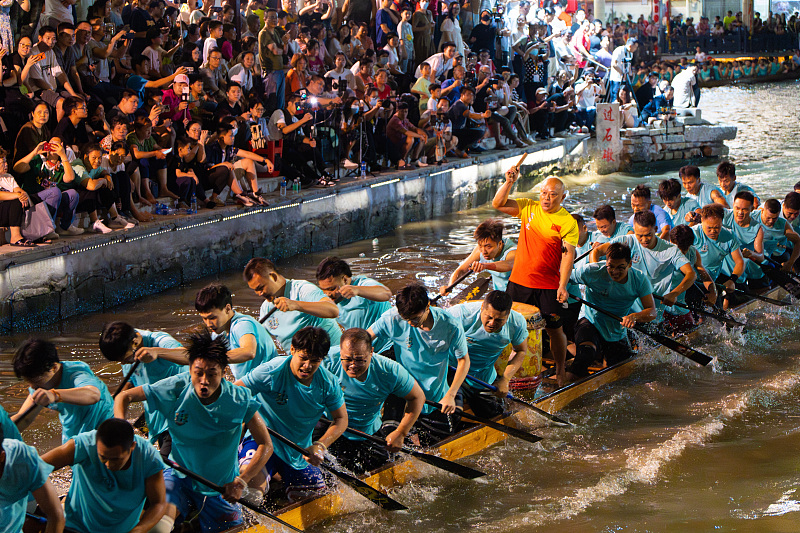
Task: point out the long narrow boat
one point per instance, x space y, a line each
471 441
793 75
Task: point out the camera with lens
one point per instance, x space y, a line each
497 14
469 78
335 85
109 28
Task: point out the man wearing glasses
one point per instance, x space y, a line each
367 380
72 128
426 341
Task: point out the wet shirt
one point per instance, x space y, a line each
242 325
24 473
152 372
364 399
79 418
737 188
774 237
538 261
360 312
621 228
484 347
500 279
688 205
617 298
573 288
205 438
747 238
703 196
9 428
283 326
103 500
713 253
425 354
291 408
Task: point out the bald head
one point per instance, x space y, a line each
551 195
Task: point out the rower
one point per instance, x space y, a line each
361 300
114 473
24 474
571 314
490 326
714 243
615 286
425 340
682 236
156 351
546 248
790 209
205 414
698 191
726 175
681 209
9 428
641 201
605 218
367 379
293 392
661 262
249 343
299 303
750 235
69 387
492 254
777 234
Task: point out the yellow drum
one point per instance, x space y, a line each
532 366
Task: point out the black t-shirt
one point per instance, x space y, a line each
140 21
484 37
224 109
644 94
175 163
360 11
479 105
456 115
70 134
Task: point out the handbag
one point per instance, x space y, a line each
37 222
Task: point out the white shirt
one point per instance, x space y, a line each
683 84
588 98
344 75
208 45
8 183
438 65
617 60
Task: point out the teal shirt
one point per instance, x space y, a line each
620 229
360 312
703 197
364 399
737 188
10 430
484 347
242 325
283 326
746 237
617 298
79 418
102 500
774 237
23 474
152 372
291 408
573 288
205 438
425 354
713 253
678 217
500 279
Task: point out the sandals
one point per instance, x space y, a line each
256 197
323 184
24 243
243 200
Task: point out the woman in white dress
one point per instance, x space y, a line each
451 30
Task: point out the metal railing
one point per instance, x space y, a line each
737 41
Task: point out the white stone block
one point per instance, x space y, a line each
710 133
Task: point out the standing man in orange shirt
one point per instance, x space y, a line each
545 253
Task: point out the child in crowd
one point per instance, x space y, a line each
150 156
95 183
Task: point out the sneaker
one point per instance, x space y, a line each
349 165
51 236
72 230
114 223
420 164
99 227
126 224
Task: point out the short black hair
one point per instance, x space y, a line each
682 236
499 301
115 432
71 103
669 189
618 250
726 168
412 299
34 358
605 212
745 195
138 60
200 345
773 206
641 191
645 218
213 296
491 229
792 200
313 341
116 339
357 336
333 267
44 30
260 266
712 211
689 170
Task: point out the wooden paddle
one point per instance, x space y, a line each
723 290
717 316
521 160
542 412
372 494
686 351
450 287
271 312
200 479
781 278
514 432
439 462
127 378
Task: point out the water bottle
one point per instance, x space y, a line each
296 185
193 204
363 170
284 183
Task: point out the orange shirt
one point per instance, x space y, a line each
538 261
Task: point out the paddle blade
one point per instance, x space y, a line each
454 468
783 279
261 510
370 493
514 432
690 353
551 417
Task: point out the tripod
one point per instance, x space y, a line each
356 171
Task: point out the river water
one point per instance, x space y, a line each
675 447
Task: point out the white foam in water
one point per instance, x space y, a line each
783 506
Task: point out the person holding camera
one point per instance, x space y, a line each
620 65
586 93
483 35
451 89
465 121
406 140
340 72
439 127
487 99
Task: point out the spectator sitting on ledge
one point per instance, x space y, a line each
665 99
